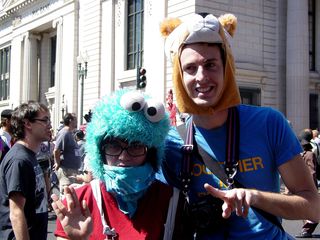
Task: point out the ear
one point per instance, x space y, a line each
229 22
168 25
27 124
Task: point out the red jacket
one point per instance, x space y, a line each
147 223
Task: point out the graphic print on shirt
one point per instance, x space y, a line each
244 165
41 193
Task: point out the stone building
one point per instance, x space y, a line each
42 42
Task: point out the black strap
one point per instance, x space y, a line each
187 149
232 145
232 156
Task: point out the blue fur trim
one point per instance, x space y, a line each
110 119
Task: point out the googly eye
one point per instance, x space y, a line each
132 101
154 111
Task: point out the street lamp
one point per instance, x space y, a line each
63 106
82 74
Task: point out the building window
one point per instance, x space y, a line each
135 33
5 56
53 61
250 96
314 106
312 34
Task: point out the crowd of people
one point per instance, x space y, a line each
133 175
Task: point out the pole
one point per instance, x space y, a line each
81 76
81 106
82 71
62 109
138 66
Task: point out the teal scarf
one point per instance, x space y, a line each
128 184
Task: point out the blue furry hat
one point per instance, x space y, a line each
128 115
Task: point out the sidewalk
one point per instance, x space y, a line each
51 226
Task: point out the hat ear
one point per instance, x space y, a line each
168 25
229 22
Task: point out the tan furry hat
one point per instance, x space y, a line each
201 28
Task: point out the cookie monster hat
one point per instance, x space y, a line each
201 28
128 115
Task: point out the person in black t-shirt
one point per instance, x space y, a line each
23 199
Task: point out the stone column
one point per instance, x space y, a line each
30 68
26 68
297 80
16 71
58 72
45 60
34 67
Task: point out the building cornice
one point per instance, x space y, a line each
14 8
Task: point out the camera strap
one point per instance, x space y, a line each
187 150
232 152
231 163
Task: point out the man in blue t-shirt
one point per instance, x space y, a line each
259 142
67 159
23 196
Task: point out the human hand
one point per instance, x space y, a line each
56 166
75 218
237 199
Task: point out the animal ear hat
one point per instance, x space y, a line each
128 115
201 28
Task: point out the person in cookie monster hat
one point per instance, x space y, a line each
238 150
125 147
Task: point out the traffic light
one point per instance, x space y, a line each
141 78
88 116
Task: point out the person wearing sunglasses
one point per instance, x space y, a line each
124 147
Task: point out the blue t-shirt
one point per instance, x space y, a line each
266 142
70 157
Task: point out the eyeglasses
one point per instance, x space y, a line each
114 148
46 121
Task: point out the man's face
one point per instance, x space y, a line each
203 73
41 127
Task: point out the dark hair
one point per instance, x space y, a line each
79 134
25 111
307 147
221 49
5 117
68 118
305 134
222 52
